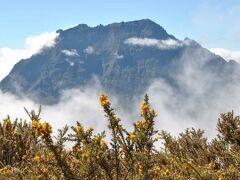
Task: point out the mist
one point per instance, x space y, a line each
200 98
198 101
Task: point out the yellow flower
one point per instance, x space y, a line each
166 172
42 130
104 101
220 177
14 133
138 123
36 158
95 138
79 129
211 165
144 108
85 155
103 143
145 122
45 170
132 136
47 128
157 170
76 149
140 168
42 135
35 123
6 122
5 170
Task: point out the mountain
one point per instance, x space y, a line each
126 58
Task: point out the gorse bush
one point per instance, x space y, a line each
28 150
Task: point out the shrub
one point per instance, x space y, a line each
28 150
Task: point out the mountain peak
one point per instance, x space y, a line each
142 23
82 26
144 28
145 21
82 52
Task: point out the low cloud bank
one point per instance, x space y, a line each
176 110
75 105
227 54
200 98
33 45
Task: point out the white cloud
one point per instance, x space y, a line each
33 44
226 54
71 53
161 44
75 105
36 43
89 50
201 96
120 56
71 63
117 56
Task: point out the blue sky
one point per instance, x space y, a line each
213 23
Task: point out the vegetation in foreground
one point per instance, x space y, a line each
29 151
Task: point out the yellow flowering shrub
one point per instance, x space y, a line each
29 150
